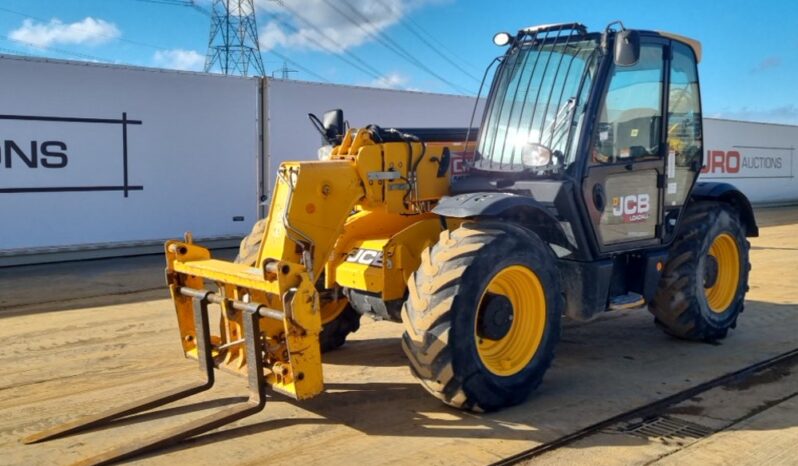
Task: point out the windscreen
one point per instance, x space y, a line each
538 97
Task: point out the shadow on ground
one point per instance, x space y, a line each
30 289
409 411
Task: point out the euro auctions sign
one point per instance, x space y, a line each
748 162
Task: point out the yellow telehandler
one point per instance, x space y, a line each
576 195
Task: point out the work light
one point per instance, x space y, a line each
502 38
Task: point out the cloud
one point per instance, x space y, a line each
785 114
89 31
390 81
332 29
179 59
766 64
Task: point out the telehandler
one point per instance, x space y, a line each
576 195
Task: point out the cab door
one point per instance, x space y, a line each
684 134
623 184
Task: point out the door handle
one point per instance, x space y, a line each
599 199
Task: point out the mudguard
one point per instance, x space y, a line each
725 192
527 211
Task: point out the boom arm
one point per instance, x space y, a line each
310 206
311 202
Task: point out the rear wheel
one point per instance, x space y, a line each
702 289
338 318
483 316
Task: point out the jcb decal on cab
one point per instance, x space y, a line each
366 257
632 208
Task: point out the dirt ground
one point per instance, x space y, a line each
70 348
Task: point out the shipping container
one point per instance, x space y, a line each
757 158
100 160
99 157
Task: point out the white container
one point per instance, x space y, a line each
757 158
103 160
122 157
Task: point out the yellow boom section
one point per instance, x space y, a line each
310 204
369 195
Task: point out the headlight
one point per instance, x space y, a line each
534 155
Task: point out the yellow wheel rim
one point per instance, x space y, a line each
722 292
510 353
330 309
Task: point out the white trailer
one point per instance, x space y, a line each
112 160
757 158
101 160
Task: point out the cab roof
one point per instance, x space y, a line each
582 29
694 44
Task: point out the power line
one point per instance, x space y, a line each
60 51
375 74
361 64
390 44
435 49
181 3
301 68
419 31
284 71
410 24
15 52
185 3
193 4
442 55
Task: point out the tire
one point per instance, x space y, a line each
341 321
444 315
696 298
333 333
250 245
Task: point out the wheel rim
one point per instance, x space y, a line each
510 353
723 288
331 309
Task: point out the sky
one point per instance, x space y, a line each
749 70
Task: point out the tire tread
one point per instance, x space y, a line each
675 305
427 314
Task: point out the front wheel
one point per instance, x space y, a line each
702 289
483 316
338 318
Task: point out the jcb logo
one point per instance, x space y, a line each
366 257
460 161
632 208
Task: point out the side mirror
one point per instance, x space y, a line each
627 48
333 123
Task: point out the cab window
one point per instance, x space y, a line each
630 119
684 125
